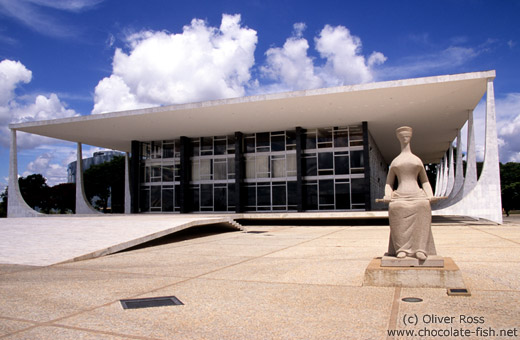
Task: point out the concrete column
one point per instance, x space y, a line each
470 179
441 178
444 175
185 199
128 198
438 180
134 176
240 196
484 200
16 205
366 156
82 204
300 146
459 175
458 181
451 173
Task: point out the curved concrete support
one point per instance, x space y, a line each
458 181
437 180
484 201
451 173
459 175
82 204
16 205
128 202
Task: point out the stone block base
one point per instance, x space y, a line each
431 261
448 276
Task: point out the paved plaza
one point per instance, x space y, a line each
272 282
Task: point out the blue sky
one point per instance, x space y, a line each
81 57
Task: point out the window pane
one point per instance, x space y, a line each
356 159
231 167
206 195
220 170
325 161
311 196
291 164
264 195
292 193
167 173
278 165
220 147
279 194
156 173
231 195
310 165
251 195
278 143
310 140
341 165
195 170
250 144
262 140
326 192
167 150
205 169
144 199
342 196
358 190
262 166
206 145
340 139
167 200
250 167
155 196
196 198
325 138
220 199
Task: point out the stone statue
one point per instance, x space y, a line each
409 209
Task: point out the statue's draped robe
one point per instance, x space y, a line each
409 212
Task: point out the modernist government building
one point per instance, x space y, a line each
323 150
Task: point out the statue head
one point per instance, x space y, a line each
404 134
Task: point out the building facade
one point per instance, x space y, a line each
320 169
322 150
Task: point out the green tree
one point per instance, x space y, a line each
104 181
62 198
510 184
35 192
3 203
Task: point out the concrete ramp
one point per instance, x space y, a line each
50 240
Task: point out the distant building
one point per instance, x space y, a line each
98 158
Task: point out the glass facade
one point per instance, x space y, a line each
159 176
270 162
333 167
212 185
330 161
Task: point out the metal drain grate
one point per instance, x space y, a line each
458 292
411 299
151 302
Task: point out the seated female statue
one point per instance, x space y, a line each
409 208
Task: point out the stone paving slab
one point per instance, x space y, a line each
49 240
293 283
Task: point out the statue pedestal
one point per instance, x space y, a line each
431 261
447 276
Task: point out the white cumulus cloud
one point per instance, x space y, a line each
201 63
508 116
341 61
15 109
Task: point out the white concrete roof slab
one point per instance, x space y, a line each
436 107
